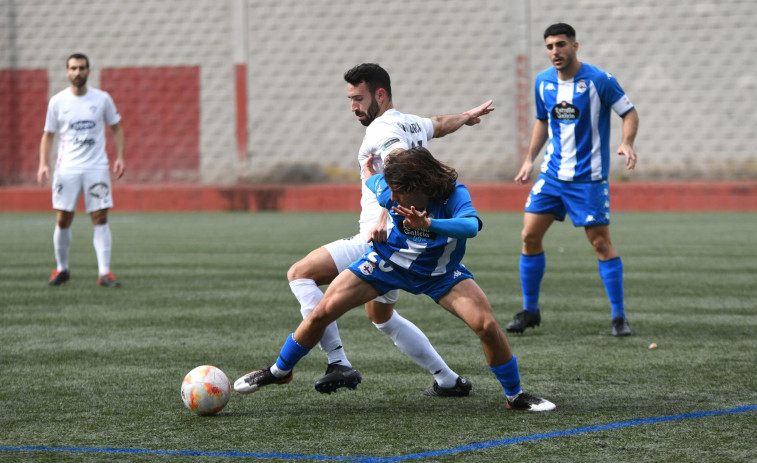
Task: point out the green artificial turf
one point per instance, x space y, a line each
93 374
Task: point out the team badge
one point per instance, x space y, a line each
366 268
581 86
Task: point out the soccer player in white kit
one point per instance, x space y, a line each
387 131
79 115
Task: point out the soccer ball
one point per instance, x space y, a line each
205 390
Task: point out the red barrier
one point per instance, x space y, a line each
646 196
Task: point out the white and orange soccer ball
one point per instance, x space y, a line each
205 390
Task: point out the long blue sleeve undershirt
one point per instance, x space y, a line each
457 227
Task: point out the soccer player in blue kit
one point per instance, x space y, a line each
573 105
433 216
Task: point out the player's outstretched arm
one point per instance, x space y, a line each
445 125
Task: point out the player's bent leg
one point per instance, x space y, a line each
346 292
317 268
469 303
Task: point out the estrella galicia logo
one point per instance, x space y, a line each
99 190
83 125
417 234
389 143
565 112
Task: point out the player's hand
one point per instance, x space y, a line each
368 169
630 154
119 168
43 174
413 217
475 114
525 172
378 233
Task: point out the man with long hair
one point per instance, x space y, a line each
433 216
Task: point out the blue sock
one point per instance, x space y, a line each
290 354
611 272
508 376
531 272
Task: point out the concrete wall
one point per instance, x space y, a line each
270 78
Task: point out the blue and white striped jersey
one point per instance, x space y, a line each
423 251
578 116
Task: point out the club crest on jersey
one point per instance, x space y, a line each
565 112
581 86
366 268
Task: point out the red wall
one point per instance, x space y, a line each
23 105
160 111
653 196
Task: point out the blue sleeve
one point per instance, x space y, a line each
377 184
458 227
541 111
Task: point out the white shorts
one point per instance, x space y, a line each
348 250
67 187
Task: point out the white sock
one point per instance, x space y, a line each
411 340
103 241
62 244
309 295
275 371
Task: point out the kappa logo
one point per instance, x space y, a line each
456 274
590 218
549 86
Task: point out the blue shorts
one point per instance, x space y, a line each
587 203
380 273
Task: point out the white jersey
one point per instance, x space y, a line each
388 132
80 122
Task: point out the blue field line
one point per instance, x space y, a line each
412 456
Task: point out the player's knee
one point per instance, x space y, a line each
531 240
601 246
300 270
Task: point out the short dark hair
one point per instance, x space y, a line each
77 56
417 170
373 75
561 29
